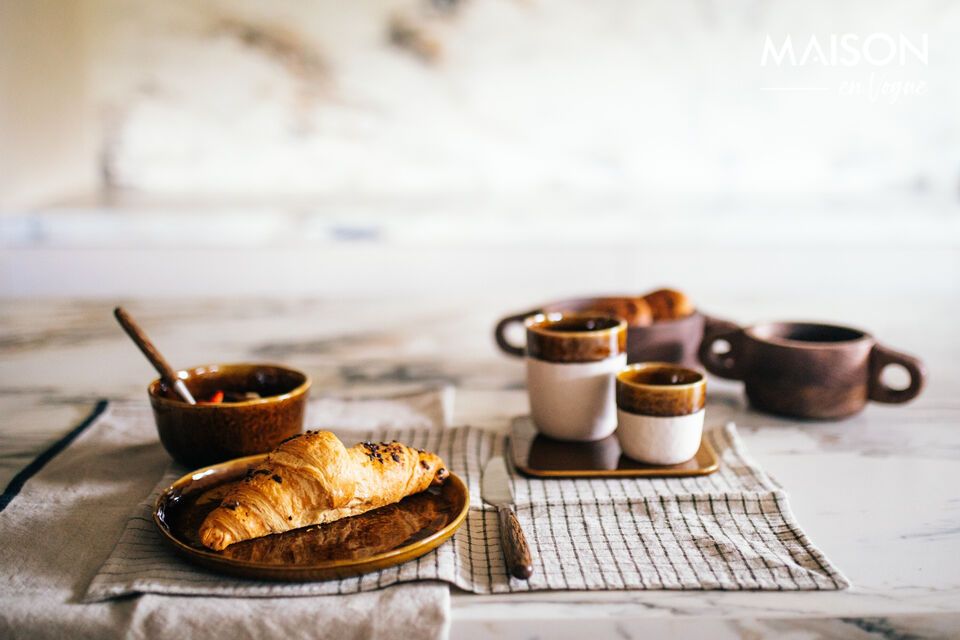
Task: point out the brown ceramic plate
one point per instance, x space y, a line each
537 455
374 540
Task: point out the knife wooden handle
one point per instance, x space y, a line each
516 553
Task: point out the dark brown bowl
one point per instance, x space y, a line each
204 434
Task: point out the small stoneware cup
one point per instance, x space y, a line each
810 370
204 434
572 362
660 410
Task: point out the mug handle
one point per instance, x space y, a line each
882 356
500 333
713 326
726 365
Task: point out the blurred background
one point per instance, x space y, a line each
520 149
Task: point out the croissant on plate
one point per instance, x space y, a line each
313 479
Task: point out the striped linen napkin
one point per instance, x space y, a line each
731 530
62 515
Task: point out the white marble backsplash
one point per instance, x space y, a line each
539 148
468 97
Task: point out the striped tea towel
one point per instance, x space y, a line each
731 530
61 517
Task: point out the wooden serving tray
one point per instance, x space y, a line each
537 455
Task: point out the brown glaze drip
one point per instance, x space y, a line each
570 338
661 390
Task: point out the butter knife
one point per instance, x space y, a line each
495 490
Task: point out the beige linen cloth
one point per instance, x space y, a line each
63 524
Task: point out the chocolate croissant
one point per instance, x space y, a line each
312 479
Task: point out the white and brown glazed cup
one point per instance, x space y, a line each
572 362
666 340
660 411
810 370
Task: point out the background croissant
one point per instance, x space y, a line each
312 479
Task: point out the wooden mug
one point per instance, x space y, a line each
810 370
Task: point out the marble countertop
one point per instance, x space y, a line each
878 493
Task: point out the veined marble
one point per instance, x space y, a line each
877 493
408 96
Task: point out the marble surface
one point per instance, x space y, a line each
412 96
531 248
877 493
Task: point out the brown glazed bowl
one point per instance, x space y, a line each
204 434
674 341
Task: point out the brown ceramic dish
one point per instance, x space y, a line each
534 454
374 540
665 341
810 370
202 434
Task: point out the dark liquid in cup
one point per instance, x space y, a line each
814 333
663 376
579 325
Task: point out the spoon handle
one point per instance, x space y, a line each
153 355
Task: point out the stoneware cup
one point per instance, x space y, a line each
204 434
667 340
572 362
809 370
660 410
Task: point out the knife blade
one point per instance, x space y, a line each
495 490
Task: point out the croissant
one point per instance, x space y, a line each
313 479
635 311
669 304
